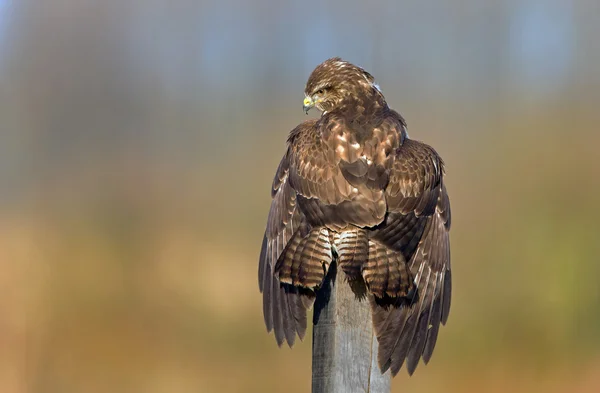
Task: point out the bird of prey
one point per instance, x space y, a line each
355 190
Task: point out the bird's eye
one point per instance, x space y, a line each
321 91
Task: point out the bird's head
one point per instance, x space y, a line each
336 82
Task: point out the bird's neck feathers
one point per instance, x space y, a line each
369 104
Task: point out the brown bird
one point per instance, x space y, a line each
353 189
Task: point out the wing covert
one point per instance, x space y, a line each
415 179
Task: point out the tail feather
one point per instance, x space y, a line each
353 251
386 272
305 259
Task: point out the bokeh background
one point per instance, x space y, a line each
138 140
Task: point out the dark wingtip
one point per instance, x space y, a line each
427 357
384 364
395 368
302 333
412 366
291 341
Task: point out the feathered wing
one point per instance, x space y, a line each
417 226
284 306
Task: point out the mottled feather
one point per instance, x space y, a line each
353 189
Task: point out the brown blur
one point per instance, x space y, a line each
138 140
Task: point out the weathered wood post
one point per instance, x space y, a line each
344 344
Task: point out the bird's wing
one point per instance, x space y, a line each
417 225
284 306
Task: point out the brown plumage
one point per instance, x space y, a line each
353 189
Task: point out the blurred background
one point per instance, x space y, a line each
138 141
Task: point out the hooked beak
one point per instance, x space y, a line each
307 104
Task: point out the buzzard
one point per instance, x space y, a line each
355 190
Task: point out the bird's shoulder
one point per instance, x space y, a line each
304 134
416 179
418 161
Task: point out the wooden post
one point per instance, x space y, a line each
344 345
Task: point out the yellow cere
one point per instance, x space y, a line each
307 101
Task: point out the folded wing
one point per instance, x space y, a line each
417 225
